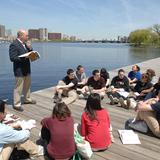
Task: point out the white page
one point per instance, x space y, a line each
129 137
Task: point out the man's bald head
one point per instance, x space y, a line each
22 35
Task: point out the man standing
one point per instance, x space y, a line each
22 70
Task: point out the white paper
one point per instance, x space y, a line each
123 93
10 118
129 137
136 93
27 124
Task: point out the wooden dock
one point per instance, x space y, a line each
148 149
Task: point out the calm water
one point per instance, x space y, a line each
57 57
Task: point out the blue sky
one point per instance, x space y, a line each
86 19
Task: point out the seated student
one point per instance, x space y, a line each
81 76
152 75
143 87
11 138
134 75
105 75
60 126
118 83
95 124
67 88
95 84
150 113
154 90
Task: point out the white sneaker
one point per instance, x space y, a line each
40 150
123 103
131 103
39 153
113 100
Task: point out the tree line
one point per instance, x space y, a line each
149 36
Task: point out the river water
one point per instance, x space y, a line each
56 58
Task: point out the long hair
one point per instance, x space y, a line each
2 106
93 104
104 73
61 111
147 76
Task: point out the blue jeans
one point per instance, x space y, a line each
150 95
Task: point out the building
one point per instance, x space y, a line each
73 38
123 39
2 31
43 34
8 32
54 36
34 34
66 37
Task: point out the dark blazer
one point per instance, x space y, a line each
21 66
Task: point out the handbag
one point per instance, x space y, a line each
82 145
77 156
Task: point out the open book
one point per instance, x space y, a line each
33 55
123 93
10 118
129 137
27 124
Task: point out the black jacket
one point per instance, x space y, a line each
21 66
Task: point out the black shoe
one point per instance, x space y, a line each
18 108
30 102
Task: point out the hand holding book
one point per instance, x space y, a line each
33 55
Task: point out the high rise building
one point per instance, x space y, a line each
54 36
34 34
43 34
2 31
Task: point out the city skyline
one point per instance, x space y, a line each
86 19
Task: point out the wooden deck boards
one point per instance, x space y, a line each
148 150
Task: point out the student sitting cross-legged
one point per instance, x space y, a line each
118 83
142 88
95 84
66 89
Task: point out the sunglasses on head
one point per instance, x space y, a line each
144 76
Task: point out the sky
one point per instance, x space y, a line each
85 19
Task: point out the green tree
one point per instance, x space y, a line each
141 36
156 29
156 33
